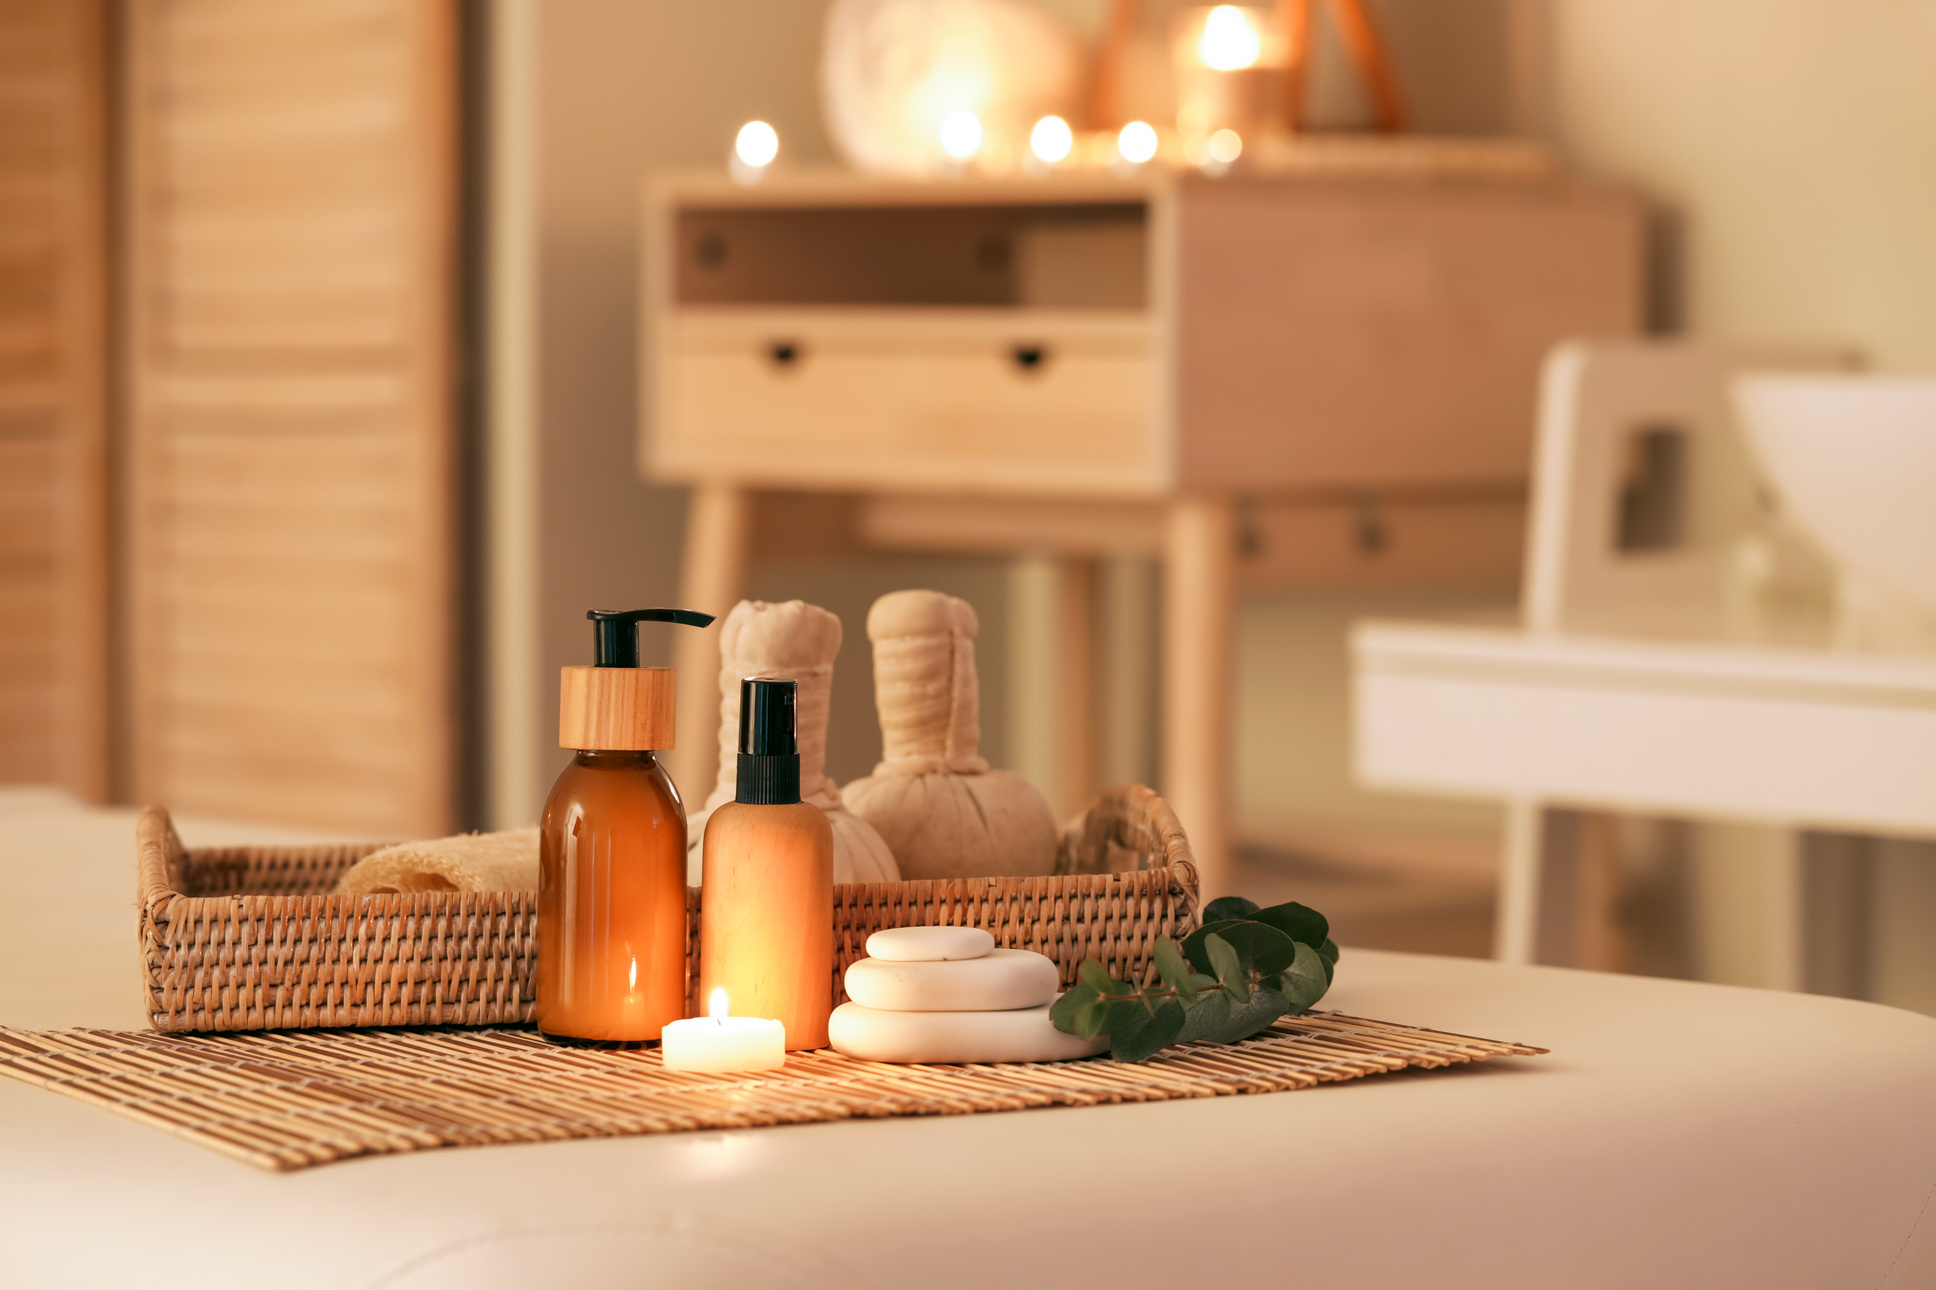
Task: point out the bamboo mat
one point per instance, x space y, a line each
290 1099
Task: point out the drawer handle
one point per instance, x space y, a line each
784 353
1030 358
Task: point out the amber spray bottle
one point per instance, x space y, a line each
766 904
612 849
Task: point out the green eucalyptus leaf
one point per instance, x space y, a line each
1124 1017
1193 944
1089 1018
1285 961
1159 1032
1228 907
1305 981
1063 1011
1093 975
1299 922
1230 969
1260 948
1209 1014
1264 1006
1174 968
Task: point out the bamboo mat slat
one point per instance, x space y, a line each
286 1100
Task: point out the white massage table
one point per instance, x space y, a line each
1678 1135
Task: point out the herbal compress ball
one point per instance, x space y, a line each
944 813
800 641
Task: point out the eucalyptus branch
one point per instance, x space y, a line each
1241 970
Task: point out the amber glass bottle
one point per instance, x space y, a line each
612 851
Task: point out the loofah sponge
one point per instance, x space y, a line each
468 862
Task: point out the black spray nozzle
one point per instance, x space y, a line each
615 633
769 748
766 726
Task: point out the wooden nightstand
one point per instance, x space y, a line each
1094 364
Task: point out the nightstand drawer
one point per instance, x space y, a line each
1031 401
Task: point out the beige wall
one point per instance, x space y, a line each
1793 142
626 87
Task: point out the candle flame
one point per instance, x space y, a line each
1229 41
960 134
716 1006
1137 142
1051 139
632 977
757 143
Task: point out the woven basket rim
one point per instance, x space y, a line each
159 849
293 954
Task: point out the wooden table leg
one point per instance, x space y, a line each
1126 662
711 580
1748 882
1076 644
1515 936
1600 942
1051 714
1198 609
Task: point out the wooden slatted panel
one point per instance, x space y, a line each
291 208
52 354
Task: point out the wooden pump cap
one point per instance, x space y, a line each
616 709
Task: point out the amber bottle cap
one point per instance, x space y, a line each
616 705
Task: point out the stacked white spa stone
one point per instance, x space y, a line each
946 994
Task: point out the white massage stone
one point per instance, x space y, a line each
929 944
1021 1035
996 982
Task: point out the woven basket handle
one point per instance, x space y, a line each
160 857
1130 818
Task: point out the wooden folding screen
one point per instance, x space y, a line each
290 206
53 169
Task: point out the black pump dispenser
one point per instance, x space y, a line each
769 752
615 633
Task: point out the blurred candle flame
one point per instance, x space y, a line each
717 1005
1137 142
758 143
1229 41
1051 139
960 134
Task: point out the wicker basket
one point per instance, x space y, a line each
255 938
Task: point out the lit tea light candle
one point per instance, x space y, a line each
718 1042
1051 139
1228 70
754 148
1219 150
1230 40
1137 142
961 134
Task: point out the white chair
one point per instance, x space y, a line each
1642 492
1641 483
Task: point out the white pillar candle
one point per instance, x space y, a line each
719 1042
